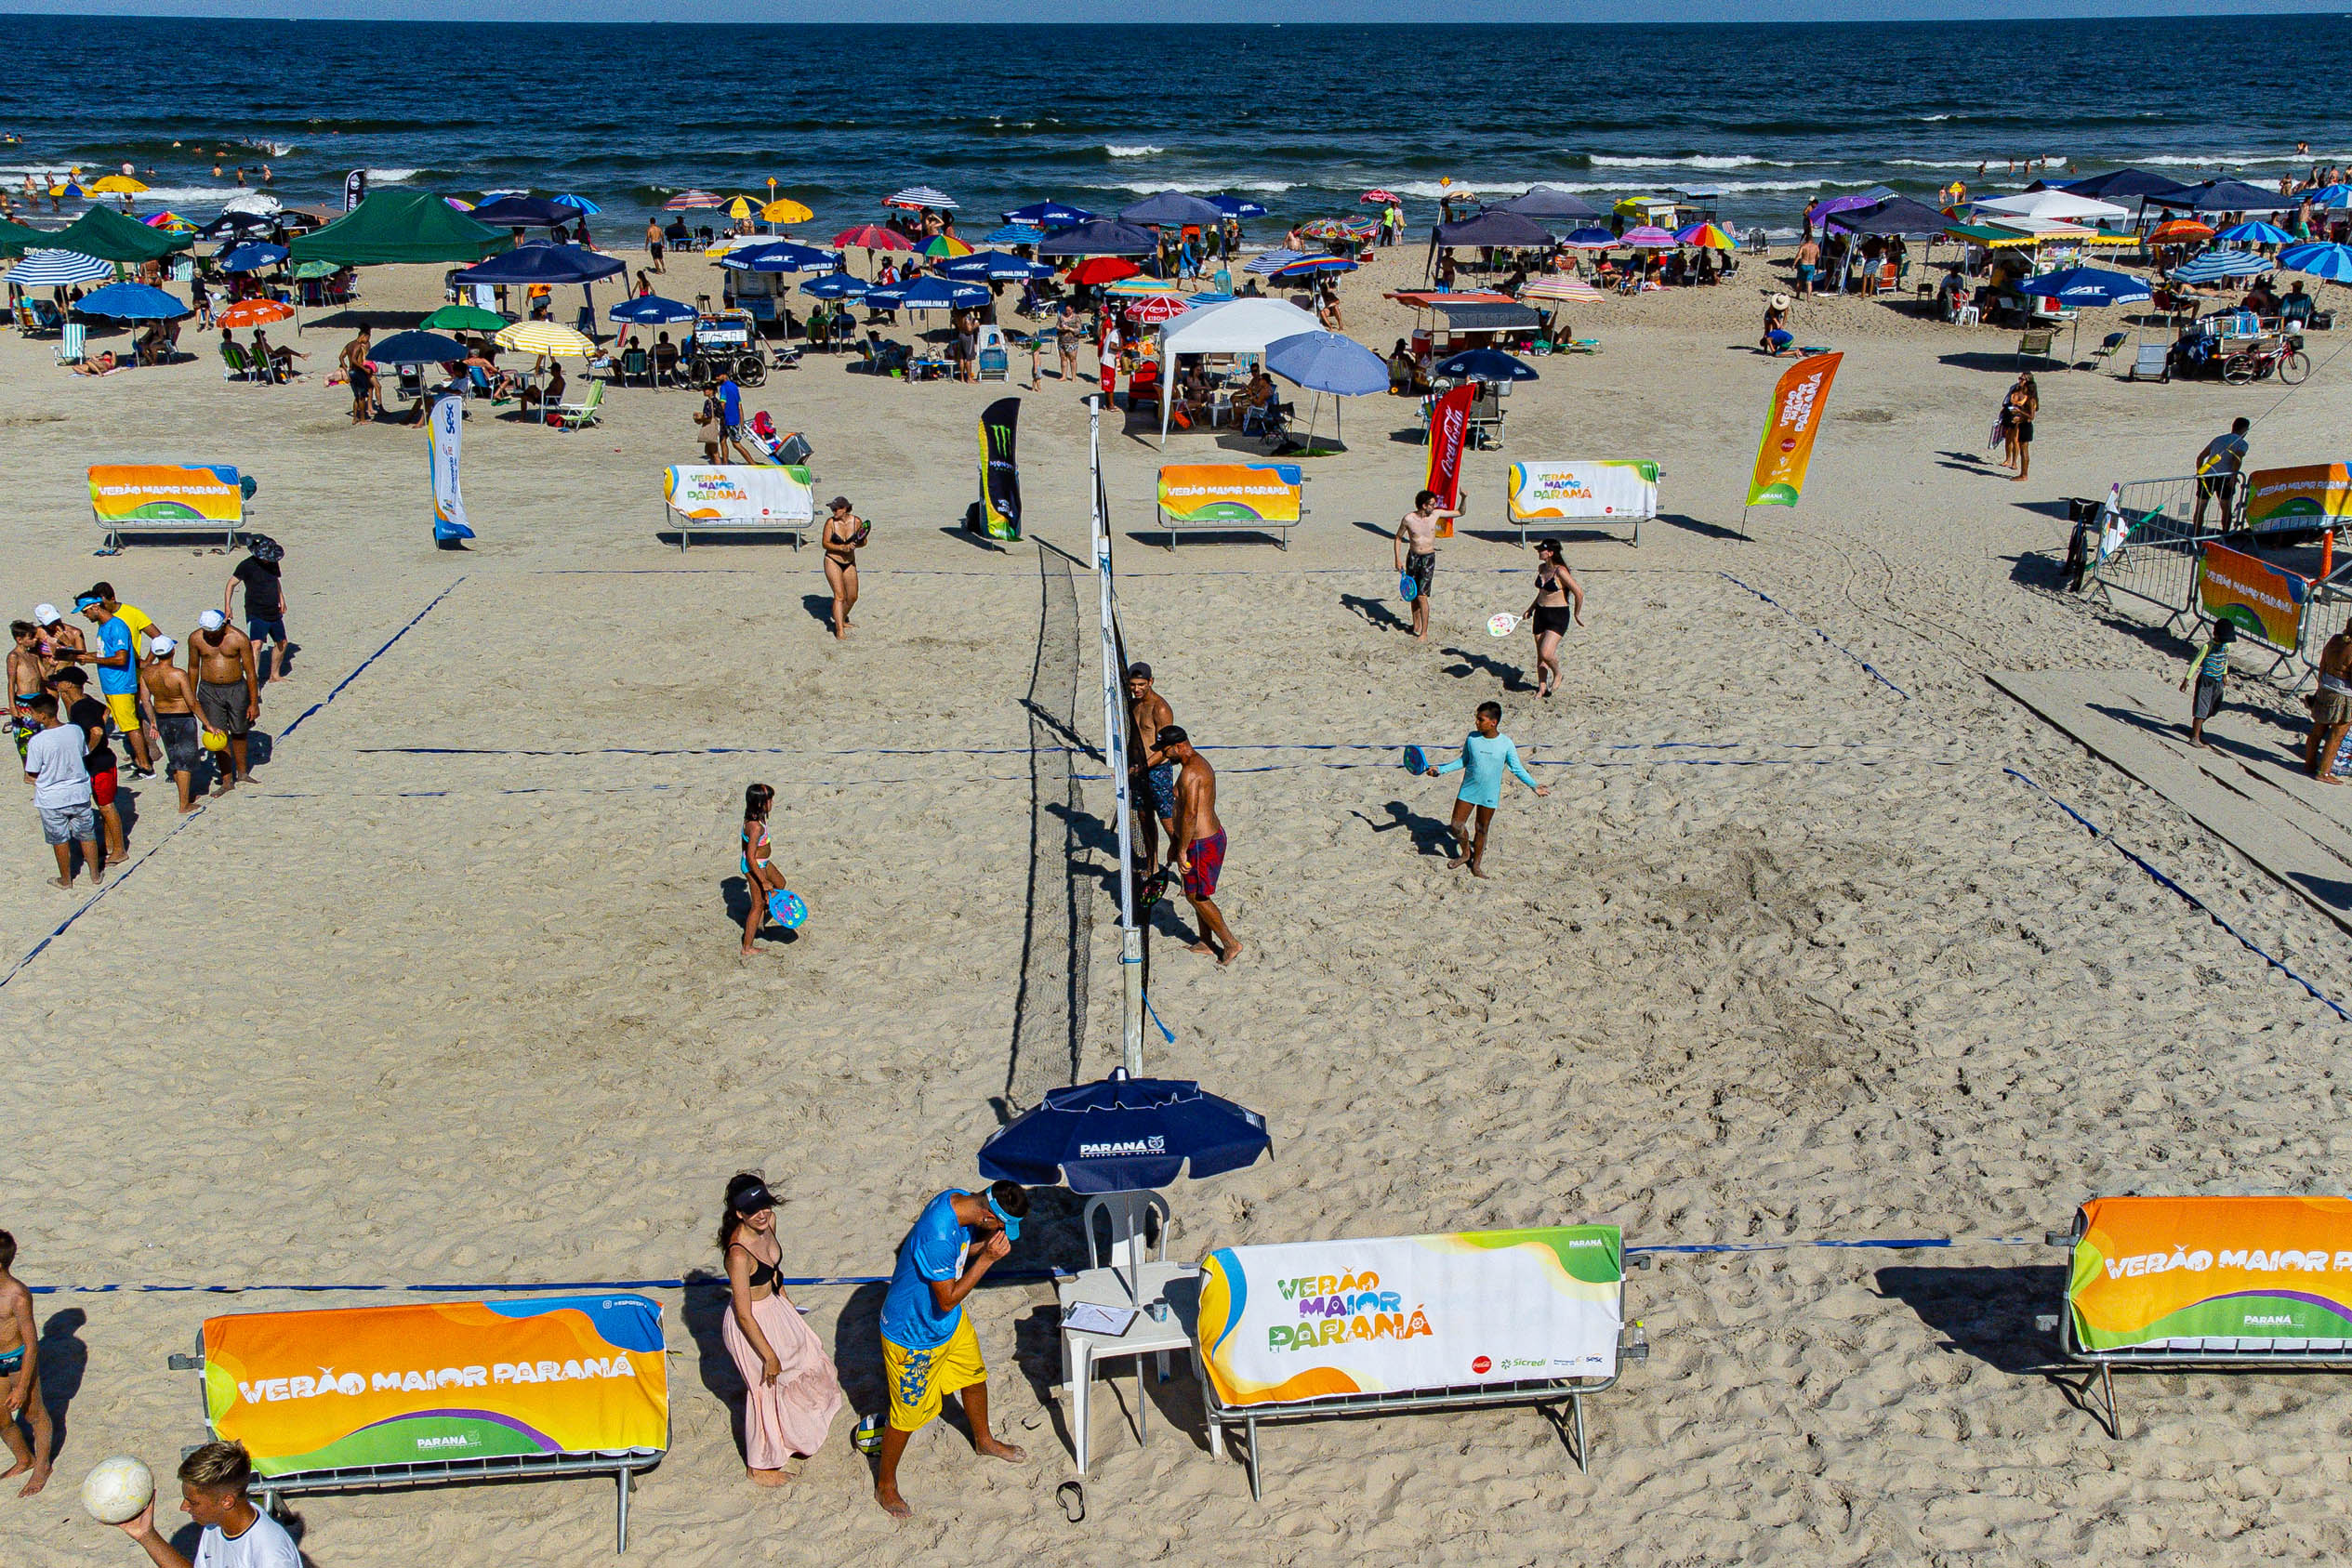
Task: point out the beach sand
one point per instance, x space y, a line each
450 994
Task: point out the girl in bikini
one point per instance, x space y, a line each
1559 599
759 874
844 532
791 1390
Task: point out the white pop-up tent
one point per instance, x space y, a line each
2062 205
1234 326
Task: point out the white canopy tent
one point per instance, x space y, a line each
1234 326
2062 204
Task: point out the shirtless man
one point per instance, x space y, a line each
1417 553
171 697
1147 772
228 687
2330 708
1199 841
20 1376
361 377
25 677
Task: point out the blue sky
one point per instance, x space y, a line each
1296 11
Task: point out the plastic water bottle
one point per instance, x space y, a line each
1637 1343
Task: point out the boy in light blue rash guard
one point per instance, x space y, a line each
1486 753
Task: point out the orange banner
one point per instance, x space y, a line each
1791 424
2205 1273
2260 600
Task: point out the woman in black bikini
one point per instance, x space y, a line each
844 532
790 1391
1559 599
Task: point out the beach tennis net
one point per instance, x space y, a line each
1049 1015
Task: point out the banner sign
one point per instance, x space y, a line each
1449 428
774 497
2318 489
1231 491
2258 598
447 425
1309 1319
1585 492
359 1386
124 493
354 188
1792 421
2263 1273
999 473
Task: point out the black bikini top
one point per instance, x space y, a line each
763 1276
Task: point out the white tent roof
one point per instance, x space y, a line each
1235 326
2051 204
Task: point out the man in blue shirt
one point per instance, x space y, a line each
929 1348
731 418
117 675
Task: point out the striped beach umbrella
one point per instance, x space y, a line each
2319 259
547 338
692 201
1314 267
1558 287
915 198
1273 261
1328 229
2254 231
873 236
1648 236
945 246
590 208
1136 288
45 269
1706 236
170 223
1016 234
2216 265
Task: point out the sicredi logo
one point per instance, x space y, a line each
1131 1146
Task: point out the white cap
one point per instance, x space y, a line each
162 647
46 614
211 620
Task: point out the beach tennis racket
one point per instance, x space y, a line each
1415 760
1501 624
1410 588
785 905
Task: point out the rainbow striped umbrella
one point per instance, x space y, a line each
1648 236
946 245
1138 288
1706 236
171 223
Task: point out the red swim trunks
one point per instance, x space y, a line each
1207 858
102 788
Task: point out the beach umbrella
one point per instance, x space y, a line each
1483 364
691 201
1100 269
2084 288
1014 234
1049 214
727 245
1559 286
260 313
1326 362
459 204
1327 228
2338 195
252 257
1212 296
836 286
781 255
873 236
739 208
546 338
1172 209
71 190
2253 231
260 203
1156 308
115 185
464 318
783 209
132 302
1314 267
1236 207
1591 238
305 270
1547 201
525 212
43 269
542 264
648 310
1376 194
2180 230
1706 236
946 245
1100 236
994 267
586 207
932 293
1137 286
417 348
171 223
2216 265
1647 237
1124 1135
1270 262
2319 259
917 198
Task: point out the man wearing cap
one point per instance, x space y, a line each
228 692
171 695
265 602
142 626
929 1348
117 662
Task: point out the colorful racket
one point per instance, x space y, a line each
786 906
1501 624
1410 588
1415 760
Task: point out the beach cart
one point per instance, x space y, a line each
728 341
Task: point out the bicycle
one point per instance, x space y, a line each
2286 358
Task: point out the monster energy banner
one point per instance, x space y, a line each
354 188
999 474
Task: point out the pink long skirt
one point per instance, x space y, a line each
792 1414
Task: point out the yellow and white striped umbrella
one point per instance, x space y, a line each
546 338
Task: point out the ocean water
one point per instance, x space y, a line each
1302 118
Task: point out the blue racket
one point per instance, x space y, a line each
1410 588
785 905
1415 760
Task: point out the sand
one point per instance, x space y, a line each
395 1018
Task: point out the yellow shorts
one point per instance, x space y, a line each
920 1379
124 706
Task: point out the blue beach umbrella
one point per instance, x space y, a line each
580 202
993 266
2216 265
1326 362
1483 364
543 264
1172 209
2319 259
2253 231
783 255
651 310
1101 236
836 286
43 269
1049 214
1237 206
1590 238
1125 1135
417 348
1016 234
252 257
132 302
930 292
2338 195
2087 286
1314 267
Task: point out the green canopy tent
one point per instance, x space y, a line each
16 238
107 234
400 226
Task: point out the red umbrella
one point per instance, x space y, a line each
1384 197
1102 270
873 236
1157 308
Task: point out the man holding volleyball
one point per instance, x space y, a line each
212 1492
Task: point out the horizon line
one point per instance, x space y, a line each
2188 8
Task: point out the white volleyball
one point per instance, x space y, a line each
117 1488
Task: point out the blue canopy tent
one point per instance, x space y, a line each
1326 362
1100 236
2227 195
1049 214
547 264
1504 230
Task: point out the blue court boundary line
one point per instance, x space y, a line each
1887 1243
1820 633
2186 896
403 631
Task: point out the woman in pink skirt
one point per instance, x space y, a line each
790 1392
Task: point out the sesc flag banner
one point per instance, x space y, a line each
124 493
1000 469
1604 489
2259 1274
1791 424
760 496
327 1390
1314 1320
448 428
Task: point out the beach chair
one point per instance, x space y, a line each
2107 348
72 341
2153 362
1486 416
236 366
635 365
579 415
2034 343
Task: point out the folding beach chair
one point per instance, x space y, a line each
635 365
74 338
2108 347
580 416
2153 362
2034 344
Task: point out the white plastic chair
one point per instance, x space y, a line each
1127 1244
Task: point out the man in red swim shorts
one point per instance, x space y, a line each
1200 840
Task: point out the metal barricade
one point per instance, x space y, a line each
2159 557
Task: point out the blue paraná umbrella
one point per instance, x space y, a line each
2216 265
782 256
1124 1135
45 269
651 310
929 293
1483 364
417 348
1049 214
132 302
252 257
1237 206
1016 234
993 266
2086 286
836 286
2321 260
2253 231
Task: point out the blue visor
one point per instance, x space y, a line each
1012 1226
